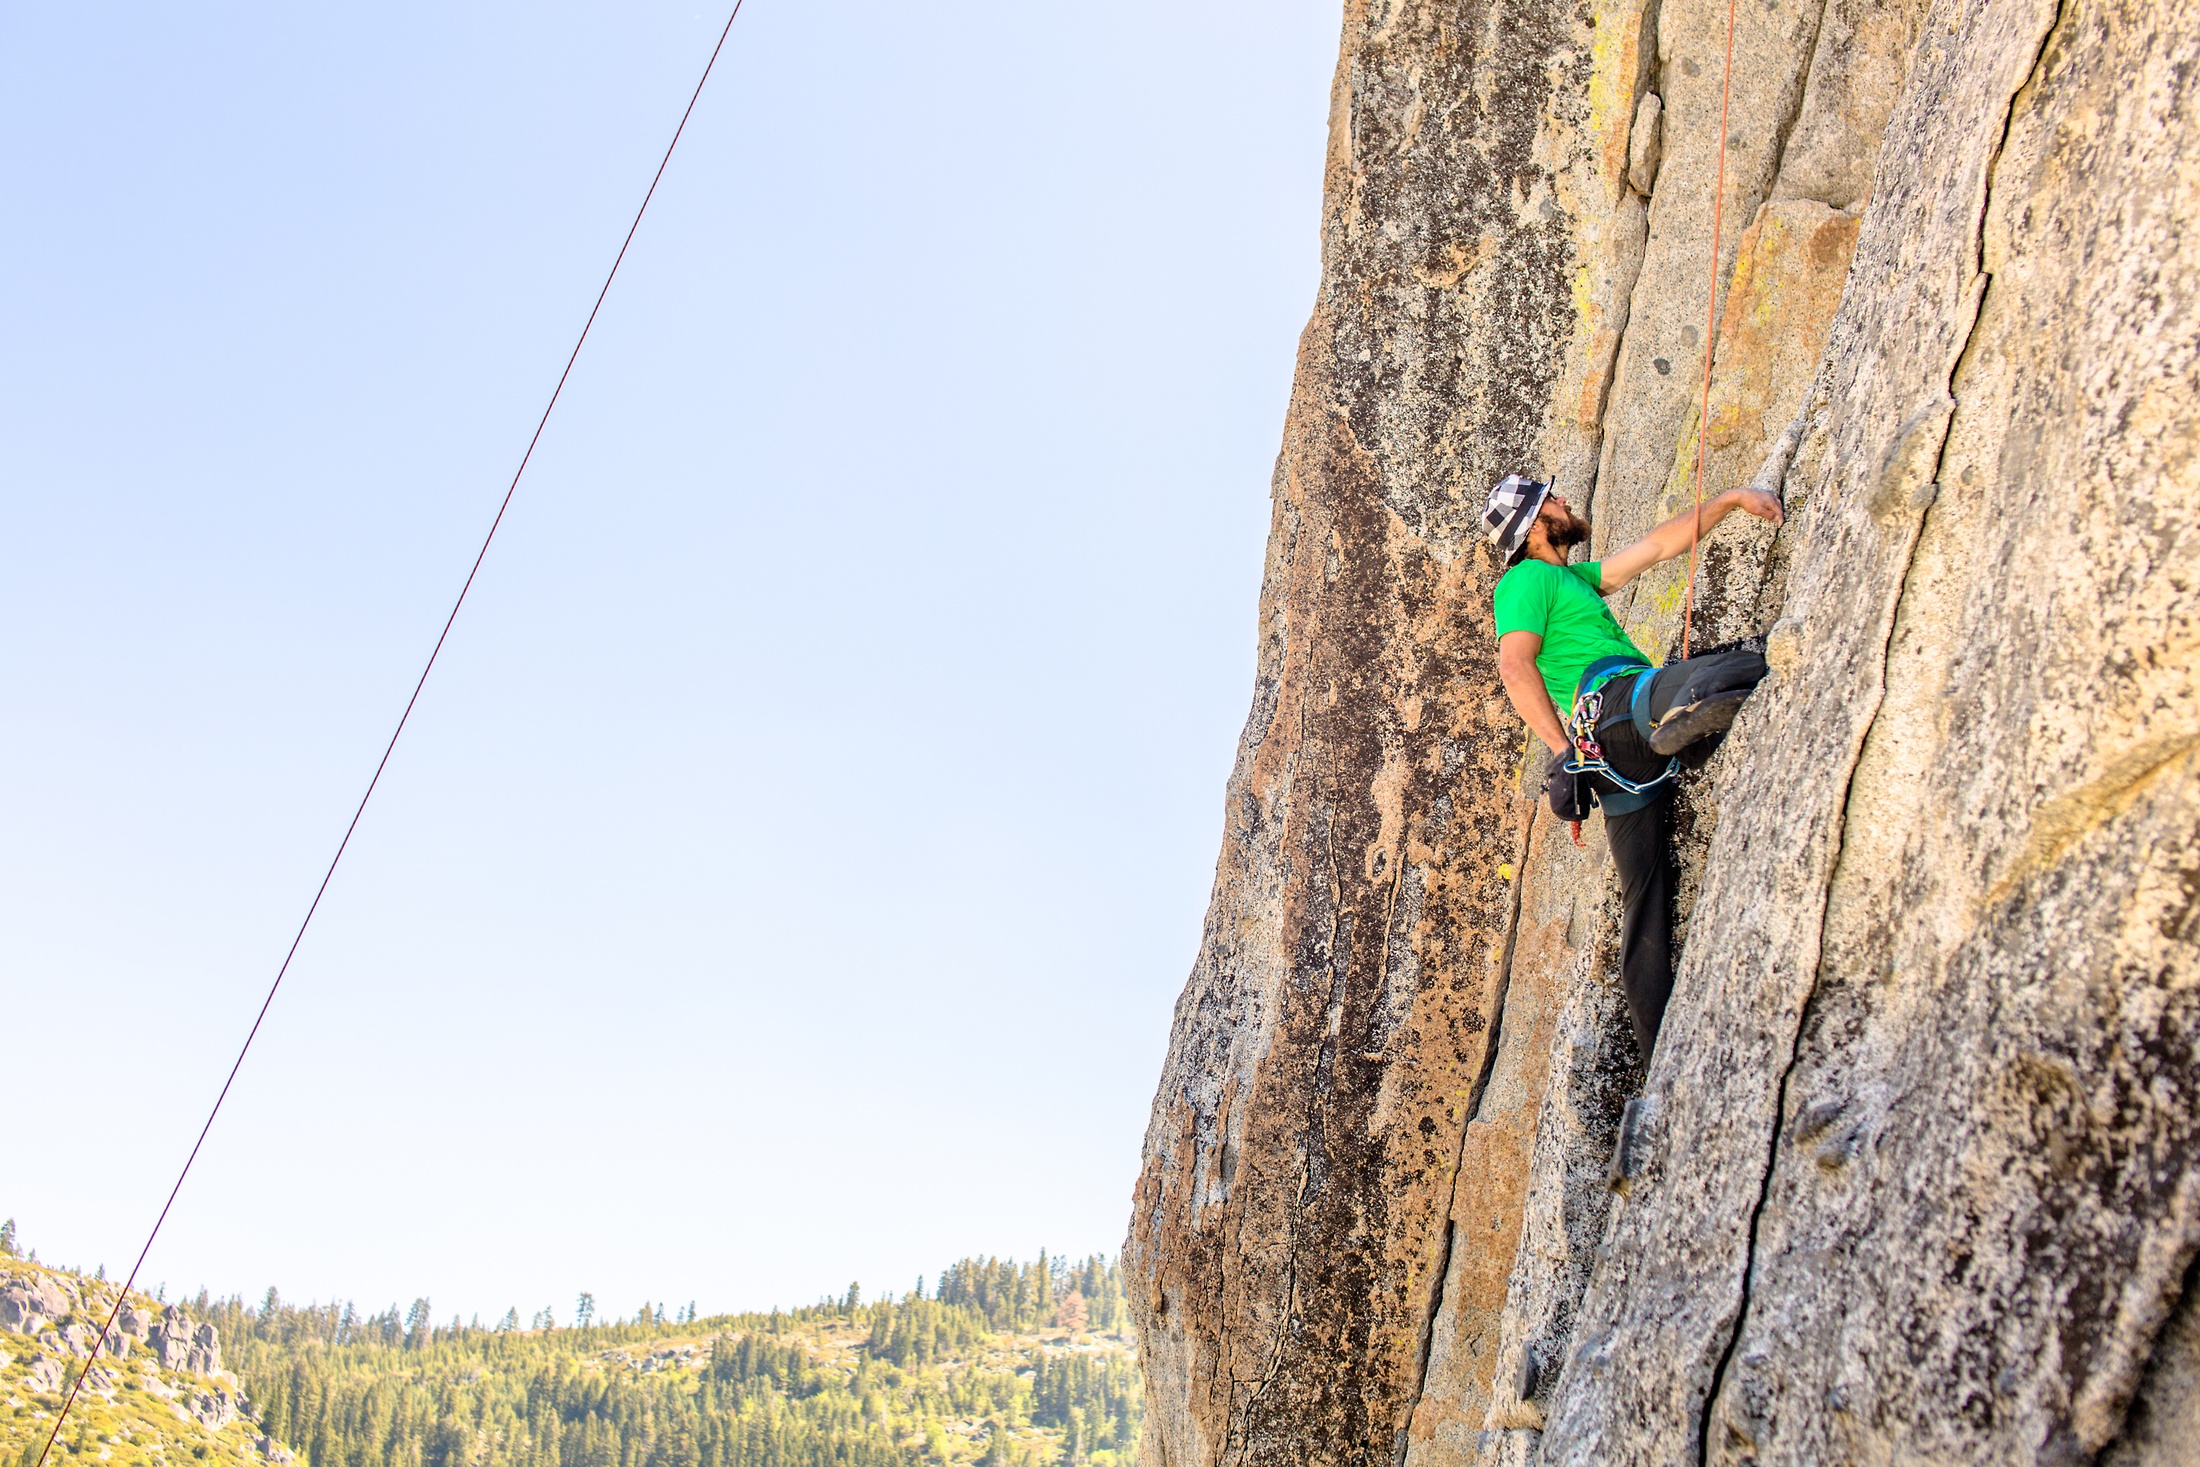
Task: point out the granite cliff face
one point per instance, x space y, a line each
1915 1177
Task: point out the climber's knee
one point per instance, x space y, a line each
1693 700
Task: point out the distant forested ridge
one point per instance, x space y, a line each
1003 1364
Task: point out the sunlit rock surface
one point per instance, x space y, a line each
1916 1174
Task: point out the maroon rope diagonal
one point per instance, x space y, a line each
107 1330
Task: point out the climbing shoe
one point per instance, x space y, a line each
1708 715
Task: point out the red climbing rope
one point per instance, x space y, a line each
106 1332
1711 326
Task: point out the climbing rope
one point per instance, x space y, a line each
1711 325
107 1330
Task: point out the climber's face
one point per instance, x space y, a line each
1559 526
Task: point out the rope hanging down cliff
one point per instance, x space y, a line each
106 1332
1711 324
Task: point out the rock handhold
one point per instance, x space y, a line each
1530 1376
1632 1154
1906 467
1646 144
1818 1117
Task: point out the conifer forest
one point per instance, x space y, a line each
996 1364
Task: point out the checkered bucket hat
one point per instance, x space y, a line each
1511 510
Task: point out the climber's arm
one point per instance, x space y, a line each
1672 539
1524 685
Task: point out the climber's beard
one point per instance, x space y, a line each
1565 533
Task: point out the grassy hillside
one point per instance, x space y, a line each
1003 1364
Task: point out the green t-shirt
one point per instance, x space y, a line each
1562 606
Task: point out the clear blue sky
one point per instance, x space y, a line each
789 871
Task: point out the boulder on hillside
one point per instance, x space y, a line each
182 1345
45 1376
29 1301
19 1311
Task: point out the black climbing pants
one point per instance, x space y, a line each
1642 840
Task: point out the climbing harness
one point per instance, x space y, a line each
1711 325
1588 755
122 1295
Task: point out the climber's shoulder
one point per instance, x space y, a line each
1527 594
1541 578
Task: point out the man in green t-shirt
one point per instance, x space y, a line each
1561 652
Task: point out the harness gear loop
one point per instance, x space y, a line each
1588 757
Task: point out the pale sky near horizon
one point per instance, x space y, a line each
790 869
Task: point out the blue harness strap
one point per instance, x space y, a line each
1603 670
1638 702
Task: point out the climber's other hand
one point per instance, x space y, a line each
1758 503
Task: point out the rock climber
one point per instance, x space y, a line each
1610 718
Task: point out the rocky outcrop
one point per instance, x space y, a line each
32 1300
182 1345
131 1323
1912 1176
45 1375
145 1411
216 1407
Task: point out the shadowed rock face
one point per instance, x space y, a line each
1916 1178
